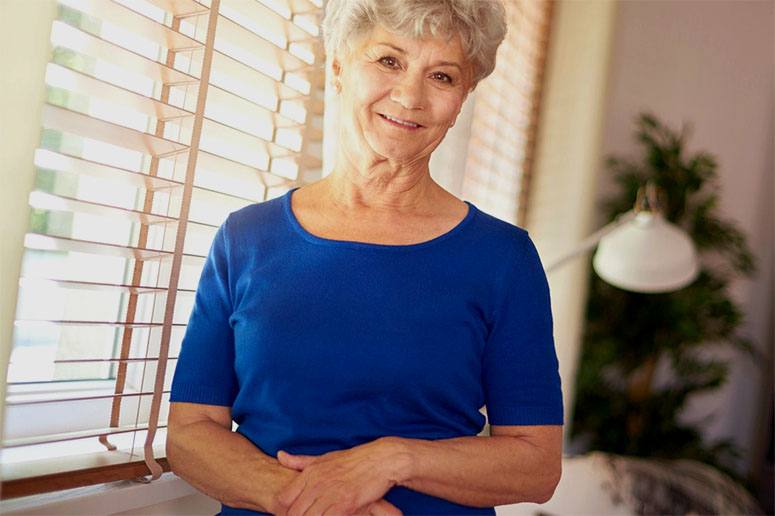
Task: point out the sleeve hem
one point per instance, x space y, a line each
200 394
534 416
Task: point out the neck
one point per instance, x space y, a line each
380 185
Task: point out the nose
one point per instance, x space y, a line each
409 92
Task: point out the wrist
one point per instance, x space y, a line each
277 478
398 459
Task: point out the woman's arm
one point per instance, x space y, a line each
515 464
202 449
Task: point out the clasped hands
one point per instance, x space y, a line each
349 481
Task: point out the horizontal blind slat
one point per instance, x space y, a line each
69 436
237 104
229 132
62 161
52 202
243 44
264 16
181 8
66 36
66 162
45 242
210 160
89 360
11 402
69 121
78 82
91 285
46 201
130 20
117 324
303 6
250 81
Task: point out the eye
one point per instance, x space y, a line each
440 76
389 61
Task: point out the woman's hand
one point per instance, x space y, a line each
342 482
276 483
380 508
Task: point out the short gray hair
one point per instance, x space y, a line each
481 25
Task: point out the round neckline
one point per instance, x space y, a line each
370 245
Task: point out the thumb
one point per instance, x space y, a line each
383 508
297 462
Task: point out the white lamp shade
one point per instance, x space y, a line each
647 254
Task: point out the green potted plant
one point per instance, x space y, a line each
619 409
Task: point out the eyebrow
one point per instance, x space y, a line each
402 51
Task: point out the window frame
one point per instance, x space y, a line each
75 471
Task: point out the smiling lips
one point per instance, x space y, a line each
399 122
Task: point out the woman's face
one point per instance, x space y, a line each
400 95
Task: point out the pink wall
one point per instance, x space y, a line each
711 64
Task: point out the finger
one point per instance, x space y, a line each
320 506
335 510
304 502
370 509
297 462
383 508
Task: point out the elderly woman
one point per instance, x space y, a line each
354 327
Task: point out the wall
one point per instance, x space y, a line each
561 201
24 28
711 64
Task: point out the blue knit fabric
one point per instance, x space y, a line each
321 344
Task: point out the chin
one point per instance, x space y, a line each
400 156
395 151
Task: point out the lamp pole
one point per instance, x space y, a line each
640 252
591 241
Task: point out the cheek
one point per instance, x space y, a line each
445 111
369 87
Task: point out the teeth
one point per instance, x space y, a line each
396 120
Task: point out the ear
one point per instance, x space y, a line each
336 67
336 73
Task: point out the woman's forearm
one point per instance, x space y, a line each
226 466
477 471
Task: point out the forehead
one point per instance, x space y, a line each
441 48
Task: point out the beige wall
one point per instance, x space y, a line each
711 64
568 158
24 37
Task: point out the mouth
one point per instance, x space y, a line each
398 122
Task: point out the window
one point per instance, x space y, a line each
505 116
161 117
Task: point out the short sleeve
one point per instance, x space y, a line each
205 367
520 368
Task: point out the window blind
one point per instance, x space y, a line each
161 117
505 117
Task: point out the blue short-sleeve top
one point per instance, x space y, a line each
320 344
